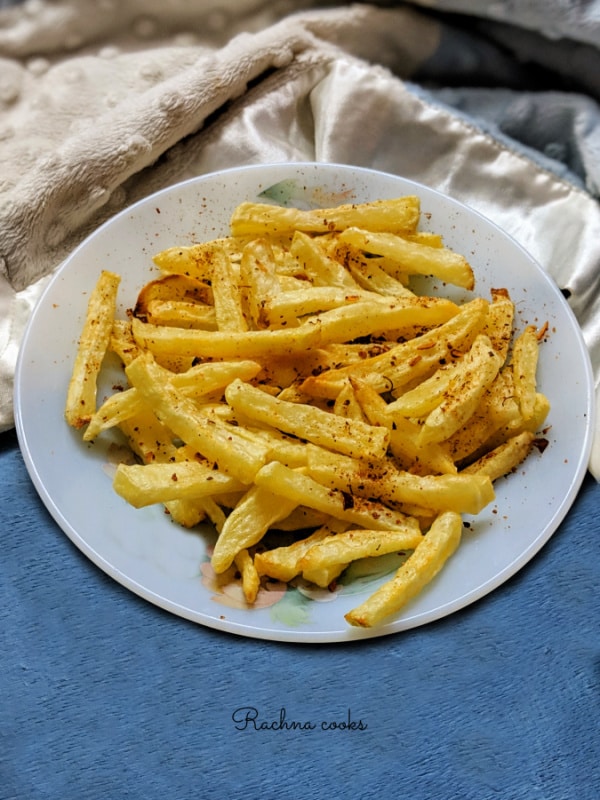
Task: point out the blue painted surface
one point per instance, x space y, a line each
104 695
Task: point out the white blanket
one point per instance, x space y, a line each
103 102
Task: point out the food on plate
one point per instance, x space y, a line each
288 384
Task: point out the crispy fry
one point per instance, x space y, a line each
250 577
196 261
258 281
145 484
226 345
436 547
304 490
354 437
226 293
245 526
283 563
524 366
504 458
93 345
333 554
399 215
414 257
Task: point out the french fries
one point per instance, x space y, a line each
93 344
287 384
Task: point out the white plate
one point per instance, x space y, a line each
168 566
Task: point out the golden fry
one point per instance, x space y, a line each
504 458
249 574
338 550
414 257
399 215
248 522
283 563
165 341
436 547
93 345
353 437
145 484
524 366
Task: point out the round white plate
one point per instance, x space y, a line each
168 566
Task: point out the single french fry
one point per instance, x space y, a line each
196 261
436 547
146 484
323 428
248 522
172 289
340 549
258 281
499 324
165 341
250 577
181 314
92 347
229 312
504 458
256 219
524 366
187 513
116 409
304 490
464 494
372 317
288 307
414 257
283 563
427 395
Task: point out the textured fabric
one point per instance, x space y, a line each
102 103
103 695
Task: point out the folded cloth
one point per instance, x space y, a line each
104 103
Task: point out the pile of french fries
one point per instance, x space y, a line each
287 385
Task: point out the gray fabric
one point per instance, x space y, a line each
102 103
